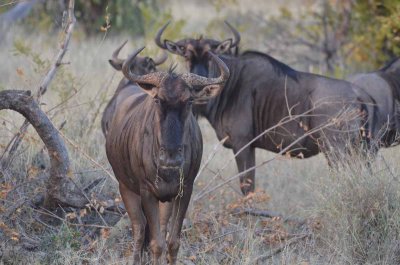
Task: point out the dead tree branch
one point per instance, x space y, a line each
16 140
267 214
282 247
60 188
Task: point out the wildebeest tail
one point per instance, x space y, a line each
369 134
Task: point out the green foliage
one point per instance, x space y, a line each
67 237
377 32
94 16
124 15
344 34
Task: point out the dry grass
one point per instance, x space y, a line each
346 217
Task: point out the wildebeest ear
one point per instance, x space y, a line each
175 48
208 92
223 47
116 66
150 89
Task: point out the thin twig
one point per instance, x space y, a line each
48 213
283 151
211 156
75 146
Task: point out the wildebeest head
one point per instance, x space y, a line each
173 96
195 51
141 65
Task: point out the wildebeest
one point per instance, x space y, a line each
261 92
194 50
140 66
384 87
154 146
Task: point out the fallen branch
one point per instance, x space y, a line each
266 213
280 248
60 188
93 184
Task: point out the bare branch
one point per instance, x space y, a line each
282 247
63 49
16 140
267 214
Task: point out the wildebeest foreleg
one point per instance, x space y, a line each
180 205
244 160
165 214
152 213
133 206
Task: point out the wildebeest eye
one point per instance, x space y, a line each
190 102
157 100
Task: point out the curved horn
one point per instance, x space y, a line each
115 61
196 80
152 78
157 39
235 34
161 59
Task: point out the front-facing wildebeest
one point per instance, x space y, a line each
140 66
263 96
384 87
154 146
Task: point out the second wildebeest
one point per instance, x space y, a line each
384 87
194 50
154 146
262 92
140 66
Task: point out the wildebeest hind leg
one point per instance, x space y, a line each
133 206
245 160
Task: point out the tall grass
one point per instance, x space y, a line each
359 208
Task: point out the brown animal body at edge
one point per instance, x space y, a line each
383 86
140 66
261 92
154 146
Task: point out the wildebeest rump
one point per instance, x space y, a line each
384 87
261 92
154 146
140 66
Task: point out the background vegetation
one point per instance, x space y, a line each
349 216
